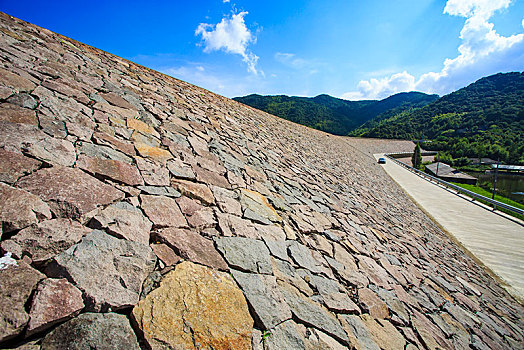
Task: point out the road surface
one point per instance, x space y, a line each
495 240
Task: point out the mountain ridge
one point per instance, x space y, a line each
332 114
483 119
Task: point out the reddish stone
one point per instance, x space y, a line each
116 100
166 254
103 138
15 165
192 246
113 169
162 211
70 191
46 239
55 300
432 337
211 178
15 114
19 209
153 173
12 80
372 304
18 282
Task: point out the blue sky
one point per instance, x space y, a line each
350 49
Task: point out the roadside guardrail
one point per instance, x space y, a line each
446 184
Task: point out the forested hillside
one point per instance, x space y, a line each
483 119
334 115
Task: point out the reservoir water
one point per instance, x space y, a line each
508 185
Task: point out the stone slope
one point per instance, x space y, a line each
141 211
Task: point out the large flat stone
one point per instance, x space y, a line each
385 335
257 205
55 301
46 239
264 296
112 169
195 307
19 209
15 81
123 220
14 165
313 314
302 256
15 114
110 271
154 174
194 190
102 152
93 331
285 334
359 336
69 191
53 151
371 303
192 246
155 153
162 211
17 282
245 254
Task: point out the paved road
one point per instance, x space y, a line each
495 240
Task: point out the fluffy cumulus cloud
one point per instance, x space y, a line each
482 52
232 36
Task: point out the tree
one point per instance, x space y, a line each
416 159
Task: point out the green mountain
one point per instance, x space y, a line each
334 115
484 119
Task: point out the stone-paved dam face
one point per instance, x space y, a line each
139 211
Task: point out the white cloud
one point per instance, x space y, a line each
482 52
232 36
225 1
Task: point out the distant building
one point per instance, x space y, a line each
477 161
447 173
508 168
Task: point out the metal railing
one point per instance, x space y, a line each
446 184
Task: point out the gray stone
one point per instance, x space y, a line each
245 254
264 296
359 336
180 170
123 220
93 331
154 174
102 152
313 314
277 248
340 303
285 334
109 271
303 258
160 191
23 100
